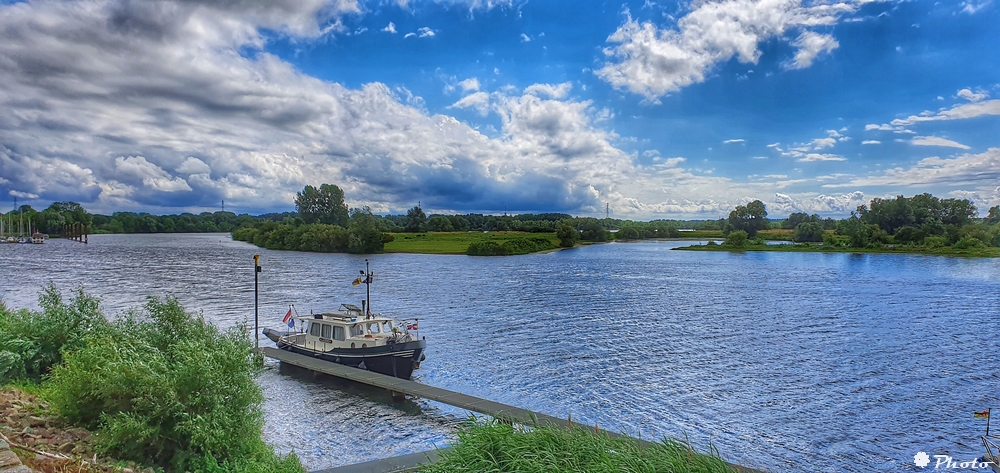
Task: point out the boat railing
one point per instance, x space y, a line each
992 449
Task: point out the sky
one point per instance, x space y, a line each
650 109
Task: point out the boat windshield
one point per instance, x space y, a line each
357 330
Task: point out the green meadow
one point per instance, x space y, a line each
453 243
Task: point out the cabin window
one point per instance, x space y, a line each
338 333
386 327
373 328
326 331
356 330
314 329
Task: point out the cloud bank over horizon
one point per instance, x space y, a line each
175 106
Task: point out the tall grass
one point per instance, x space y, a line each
498 447
31 343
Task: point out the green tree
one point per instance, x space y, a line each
415 219
855 230
323 205
628 233
459 223
749 218
593 231
364 235
809 231
798 217
994 215
440 223
736 239
567 235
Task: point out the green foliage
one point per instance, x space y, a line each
162 386
323 205
628 233
831 240
967 242
916 211
736 239
567 235
31 343
935 242
909 235
415 220
440 223
809 231
994 215
593 231
795 219
364 235
750 218
861 235
131 222
500 447
515 246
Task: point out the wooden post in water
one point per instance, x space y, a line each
256 318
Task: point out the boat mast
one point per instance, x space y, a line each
368 286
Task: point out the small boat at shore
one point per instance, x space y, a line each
355 336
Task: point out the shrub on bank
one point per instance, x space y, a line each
158 386
514 246
31 343
496 446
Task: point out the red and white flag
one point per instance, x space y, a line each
288 316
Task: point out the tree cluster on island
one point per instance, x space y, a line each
919 221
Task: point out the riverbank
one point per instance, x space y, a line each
980 252
44 442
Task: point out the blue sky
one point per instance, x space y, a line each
660 109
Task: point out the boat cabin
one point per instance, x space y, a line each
345 328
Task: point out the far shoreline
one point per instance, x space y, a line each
982 252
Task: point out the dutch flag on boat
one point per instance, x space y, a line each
288 319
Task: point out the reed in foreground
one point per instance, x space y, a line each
498 447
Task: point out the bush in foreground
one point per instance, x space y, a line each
162 386
500 447
31 343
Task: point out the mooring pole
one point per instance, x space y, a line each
987 421
256 318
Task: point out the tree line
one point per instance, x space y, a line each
921 220
323 222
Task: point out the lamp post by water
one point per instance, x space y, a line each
256 319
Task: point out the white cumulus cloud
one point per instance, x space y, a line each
651 61
936 141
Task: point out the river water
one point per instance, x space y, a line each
782 361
